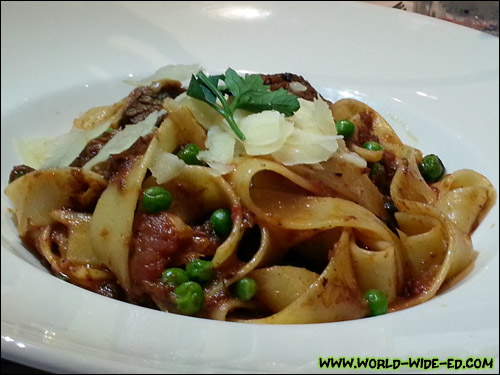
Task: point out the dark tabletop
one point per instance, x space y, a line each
9 367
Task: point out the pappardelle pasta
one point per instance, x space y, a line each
247 198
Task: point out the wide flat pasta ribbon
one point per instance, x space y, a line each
300 215
465 197
36 194
79 273
408 185
111 226
437 251
345 180
352 109
301 296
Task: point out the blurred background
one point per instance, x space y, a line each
479 15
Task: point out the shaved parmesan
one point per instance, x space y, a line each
307 137
220 149
314 138
125 138
303 147
202 112
33 152
315 117
265 132
166 166
63 150
177 72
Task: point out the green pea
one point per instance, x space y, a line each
377 301
373 146
156 199
189 298
221 220
200 270
245 288
345 128
377 169
431 168
174 276
189 154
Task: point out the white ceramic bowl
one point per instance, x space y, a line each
435 82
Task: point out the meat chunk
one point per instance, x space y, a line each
147 99
92 149
157 239
390 163
162 240
116 168
365 130
18 171
383 178
143 101
283 80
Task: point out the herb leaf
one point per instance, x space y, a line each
233 82
206 89
249 93
200 91
279 100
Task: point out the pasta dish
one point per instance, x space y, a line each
248 198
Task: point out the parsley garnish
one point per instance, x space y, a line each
248 93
